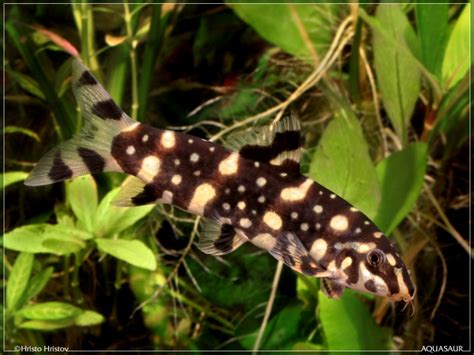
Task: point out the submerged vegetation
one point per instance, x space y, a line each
382 92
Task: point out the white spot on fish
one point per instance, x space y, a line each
358 230
294 215
245 222
332 196
130 149
317 226
261 199
283 174
167 197
265 241
177 162
150 168
304 227
197 173
190 141
226 206
261 181
202 195
256 164
194 157
211 149
346 262
272 220
366 223
241 188
254 212
176 179
339 223
145 138
241 205
378 235
168 139
296 193
320 192
318 249
353 209
227 191
229 165
391 259
318 209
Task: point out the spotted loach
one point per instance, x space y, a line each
249 191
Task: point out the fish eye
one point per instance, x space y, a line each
376 257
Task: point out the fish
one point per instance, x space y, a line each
249 190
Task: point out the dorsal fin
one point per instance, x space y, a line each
278 144
219 237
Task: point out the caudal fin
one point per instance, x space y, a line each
89 151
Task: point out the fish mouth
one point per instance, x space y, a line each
407 298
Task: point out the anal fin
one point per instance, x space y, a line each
134 192
219 238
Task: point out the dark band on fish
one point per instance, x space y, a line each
59 170
94 162
107 109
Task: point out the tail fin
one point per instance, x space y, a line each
89 151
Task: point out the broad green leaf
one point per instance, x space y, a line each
22 130
65 245
348 325
13 177
401 177
46 325
49 311
37 283
456 57
309 346
111 219
30 238
341 162
18 279
432 25
397 72
133 252
81 194
278 24
88 318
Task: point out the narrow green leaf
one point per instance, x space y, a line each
309 346
46 325
343 164
81 195
37 283
456 57
397 72
49 311
432 25
25 131
401 176
13 177
111 219
133 252
88 318
279 25
27 83
18 279
348 324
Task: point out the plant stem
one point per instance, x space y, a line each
133 60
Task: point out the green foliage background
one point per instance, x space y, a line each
383 95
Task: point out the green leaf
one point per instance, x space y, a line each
281 330
49 311
111 219
88 318
81 194
133 252
25 131
30 238
309 346
348 324
401 176
278 24
66 245
13 177
37 283
18 279
46 325
456 57
432 25
27 83
344 166
397 71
